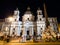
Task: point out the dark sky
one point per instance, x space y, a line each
8 6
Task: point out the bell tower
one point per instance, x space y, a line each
16 14
39 14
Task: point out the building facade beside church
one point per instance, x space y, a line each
28 27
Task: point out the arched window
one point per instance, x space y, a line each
27 18
27 32
39 13
34 33
15 19
21 33
14 29
13 33
40 19
41 28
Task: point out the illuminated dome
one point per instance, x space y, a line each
28 11
28 15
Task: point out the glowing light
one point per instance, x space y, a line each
6 28
11 19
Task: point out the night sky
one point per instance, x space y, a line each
8 6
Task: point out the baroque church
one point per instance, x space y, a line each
27 27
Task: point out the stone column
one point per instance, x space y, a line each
39 30
20 28
24 35
10 30
32 32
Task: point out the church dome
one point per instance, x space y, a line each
28 11
28 15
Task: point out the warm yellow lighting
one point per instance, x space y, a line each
6 28
11 19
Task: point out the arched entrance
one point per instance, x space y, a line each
28 30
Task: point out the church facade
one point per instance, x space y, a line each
27 27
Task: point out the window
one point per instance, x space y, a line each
27 32
21 33
14 29
15 19
34 33
39 13
41 28
40 19
13 33
27 18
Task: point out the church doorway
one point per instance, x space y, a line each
28 36
28 32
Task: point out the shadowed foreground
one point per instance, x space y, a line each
40 43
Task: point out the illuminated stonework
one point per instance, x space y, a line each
27 28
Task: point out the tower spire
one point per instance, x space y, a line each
38 8
39 11
28 8
16 14
16 8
